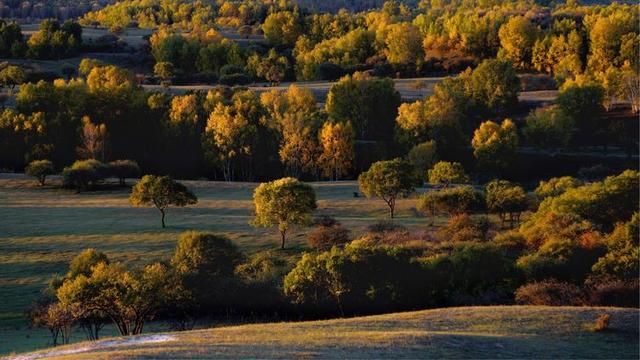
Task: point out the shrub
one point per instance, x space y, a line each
452 201
384 226
549 292
83 174
613 292
234 79
325 237
39 169
462 227
123 169
474 270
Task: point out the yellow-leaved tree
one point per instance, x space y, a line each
336 140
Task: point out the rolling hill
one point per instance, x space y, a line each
466 332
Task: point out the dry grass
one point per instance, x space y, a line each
471 332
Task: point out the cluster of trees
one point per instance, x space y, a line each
151 14
574 249
48 9
52 41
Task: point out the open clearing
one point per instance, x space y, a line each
41 229
468 332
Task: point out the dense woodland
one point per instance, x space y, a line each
567 234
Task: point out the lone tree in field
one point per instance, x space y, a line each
283 202
161 192
388 180
39 169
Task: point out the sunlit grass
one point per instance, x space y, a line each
472 332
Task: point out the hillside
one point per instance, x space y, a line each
478 332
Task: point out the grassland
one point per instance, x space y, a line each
41 229
471 332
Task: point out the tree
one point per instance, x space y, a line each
86 65
404 44
548 128
388 180
506 199
583 103
273 67
445 173
164 70
495 145
83 173
161 192
204 262
283 203
557 186
494 85
11 76
123 169
39 169
83 263
129 299
336 142
232 128
453 201
422 157
623 251
93 140
282 28
369 104
517 37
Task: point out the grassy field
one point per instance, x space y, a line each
41 229
471 332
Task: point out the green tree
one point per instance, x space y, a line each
452 201
129 299
583 103
422 157
284 203
205 263
123 169
548 128
445 173
557 186
83 263
161 192
404 44
507 200
494 85
371 105
388 180
495 145
623 251
39 169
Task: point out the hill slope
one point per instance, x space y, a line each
478 332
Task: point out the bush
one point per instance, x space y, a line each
613 292
39 169
463 227
83 174
123 169
473 271
325 237
384 226
234 79
452 201
231 69
551 293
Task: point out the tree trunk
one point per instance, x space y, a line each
283 237
162 212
